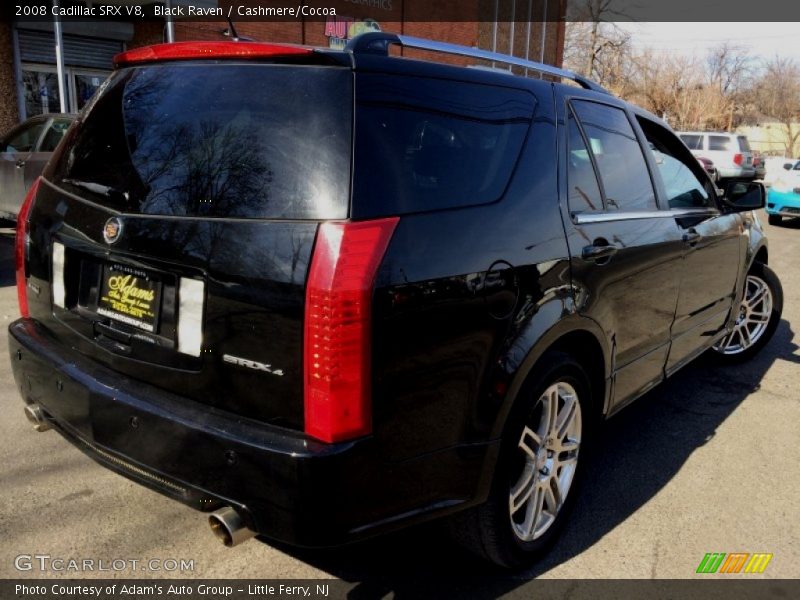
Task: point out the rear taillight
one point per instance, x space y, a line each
21 248
737 159
338 328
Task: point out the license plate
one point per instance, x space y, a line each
130 296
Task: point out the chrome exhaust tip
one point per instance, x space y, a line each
229 528
35 414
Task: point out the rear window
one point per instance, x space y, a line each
744 144
424 144
216 140
719 142
693 142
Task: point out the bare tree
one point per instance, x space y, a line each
724 89
729 67
596 47
777 93
675 88
690 93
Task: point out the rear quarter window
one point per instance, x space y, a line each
719 142
424 144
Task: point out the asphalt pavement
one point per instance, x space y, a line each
707 462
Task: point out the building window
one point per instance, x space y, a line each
40 88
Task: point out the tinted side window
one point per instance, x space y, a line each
623 170
680 172
424 144
694 142
25 139
584 191
719 142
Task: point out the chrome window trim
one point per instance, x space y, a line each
585 218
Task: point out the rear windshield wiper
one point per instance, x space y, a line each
109 192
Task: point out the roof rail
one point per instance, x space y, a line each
378 42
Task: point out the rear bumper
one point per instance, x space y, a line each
736 172
786 204
286 486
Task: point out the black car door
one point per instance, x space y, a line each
625 251
713 245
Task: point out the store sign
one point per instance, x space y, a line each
339 30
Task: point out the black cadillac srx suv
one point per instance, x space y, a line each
325 294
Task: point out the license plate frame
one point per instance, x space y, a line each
131 296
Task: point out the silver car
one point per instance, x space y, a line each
24 151
730 152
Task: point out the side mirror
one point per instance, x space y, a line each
741 196
788 166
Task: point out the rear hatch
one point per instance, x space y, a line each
729 151
747 153
175 226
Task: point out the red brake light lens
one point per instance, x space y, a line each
212 50
21 246
337 333
737 159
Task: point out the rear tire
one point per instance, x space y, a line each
759 316
538 471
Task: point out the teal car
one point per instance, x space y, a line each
783 199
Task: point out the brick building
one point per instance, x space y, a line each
29 80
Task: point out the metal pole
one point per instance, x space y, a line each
494 26
528 36
62 91
170 24
22 109
544 33
512 26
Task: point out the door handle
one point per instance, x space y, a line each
598 252
20 163
691 237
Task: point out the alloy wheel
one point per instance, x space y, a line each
753 319
548 446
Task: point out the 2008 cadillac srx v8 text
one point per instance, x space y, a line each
326 294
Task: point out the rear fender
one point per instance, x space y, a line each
552 322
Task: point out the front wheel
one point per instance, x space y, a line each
758 316
538 470
774 219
